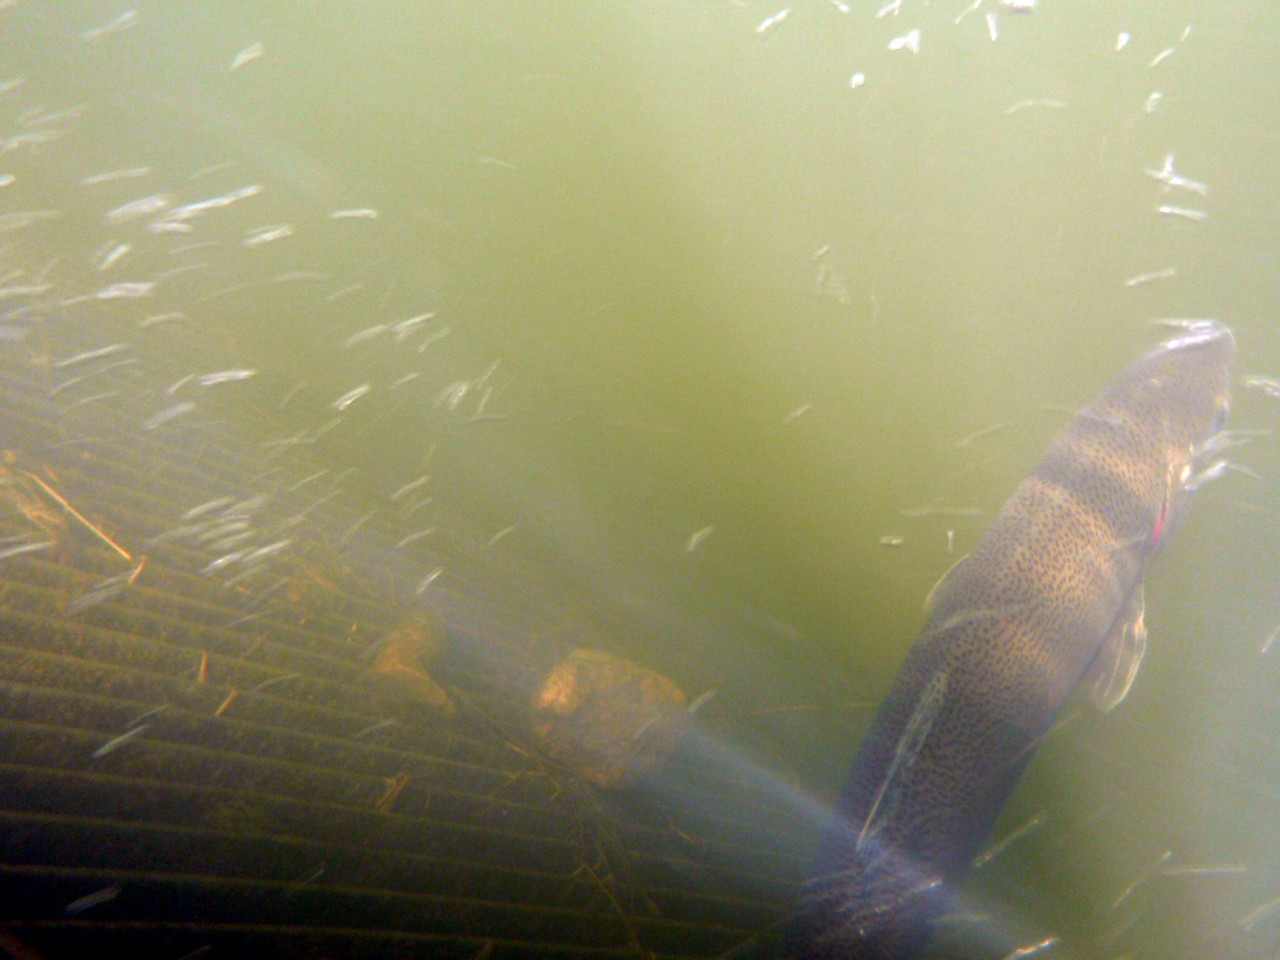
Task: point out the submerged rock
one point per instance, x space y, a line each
610 720
401 667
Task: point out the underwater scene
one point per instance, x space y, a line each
647 479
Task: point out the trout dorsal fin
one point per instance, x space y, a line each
1111 673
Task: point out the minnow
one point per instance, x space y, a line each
247 55
272 682
111 746
206 507
89 355
267 234
404 328
373 728
350 397
1168 273
142 207
1051 598
167 414
89 901
25 548
225 376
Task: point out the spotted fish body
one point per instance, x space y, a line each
1051 593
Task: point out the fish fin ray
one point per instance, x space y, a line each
905 753
1113 669
931 598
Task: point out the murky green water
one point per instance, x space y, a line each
744 351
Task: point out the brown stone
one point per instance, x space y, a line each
401 667
610 720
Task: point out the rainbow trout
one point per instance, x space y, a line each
1050 597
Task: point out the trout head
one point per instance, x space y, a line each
1165 410
1192 375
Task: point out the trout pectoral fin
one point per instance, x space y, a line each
931 597
1111 674
905 753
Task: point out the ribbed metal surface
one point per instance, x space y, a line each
195 762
